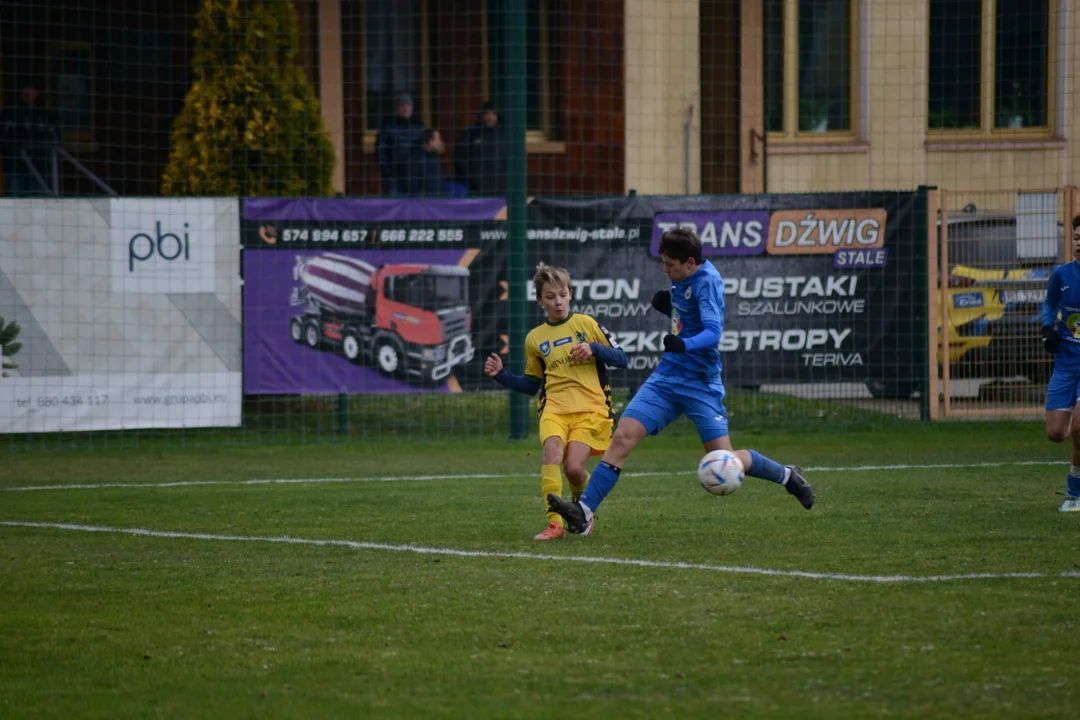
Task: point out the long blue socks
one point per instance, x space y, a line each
601 482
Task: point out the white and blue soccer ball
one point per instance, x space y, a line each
720 472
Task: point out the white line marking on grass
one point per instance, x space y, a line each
488 476
939 466
273 481
356 545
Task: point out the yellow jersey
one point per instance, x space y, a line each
569 387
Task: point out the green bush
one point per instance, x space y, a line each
8 346
251 124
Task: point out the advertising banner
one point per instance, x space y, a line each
817 288
120 314
358 295
368 296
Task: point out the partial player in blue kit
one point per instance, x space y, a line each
686 382
1061 337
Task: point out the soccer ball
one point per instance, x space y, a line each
720 472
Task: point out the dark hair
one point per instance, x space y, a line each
681 243
425 137
1076 222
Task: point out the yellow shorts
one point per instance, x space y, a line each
590 428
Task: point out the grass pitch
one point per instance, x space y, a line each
175 583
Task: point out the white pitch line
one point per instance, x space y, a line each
419 550
273 481
425 478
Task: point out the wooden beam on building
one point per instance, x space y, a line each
331 84
752 98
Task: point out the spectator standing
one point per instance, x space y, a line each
480 155
395 145
27 127
424 170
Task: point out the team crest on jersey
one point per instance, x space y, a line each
545 348
1072 324
610 338
687 294
581 337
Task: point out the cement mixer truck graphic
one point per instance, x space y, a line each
411 321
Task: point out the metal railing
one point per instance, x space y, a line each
990 255
56 152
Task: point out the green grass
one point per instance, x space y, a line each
107 624
293 420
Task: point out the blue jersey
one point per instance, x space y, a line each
697 309
1063 297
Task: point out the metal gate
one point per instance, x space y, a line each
991 253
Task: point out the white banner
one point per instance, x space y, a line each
119 402
119 313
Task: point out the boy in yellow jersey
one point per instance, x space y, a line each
566 361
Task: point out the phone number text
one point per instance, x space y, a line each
389 235
54 401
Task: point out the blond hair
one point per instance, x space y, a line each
550 275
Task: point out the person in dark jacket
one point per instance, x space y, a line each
425 172
26 130
480 155
394 146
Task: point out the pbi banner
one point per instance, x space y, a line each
120 313
349 295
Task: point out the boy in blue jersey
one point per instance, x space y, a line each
686 382
1063 341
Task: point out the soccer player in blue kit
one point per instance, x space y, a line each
1063 341
686 382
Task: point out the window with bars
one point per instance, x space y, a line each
810 68
539 61
991 67
397 50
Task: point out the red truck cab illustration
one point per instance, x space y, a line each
411 321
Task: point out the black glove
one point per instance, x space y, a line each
1050 339
674 344
661 302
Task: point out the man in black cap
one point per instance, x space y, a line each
394 145
480 155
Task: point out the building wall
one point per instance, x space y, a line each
662 83
894 151
584 155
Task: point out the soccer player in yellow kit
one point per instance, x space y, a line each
566 361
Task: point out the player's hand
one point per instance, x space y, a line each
661 302
493 365
674 344
581 352
1050 339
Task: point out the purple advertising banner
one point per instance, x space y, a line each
374 209
721 233
355 321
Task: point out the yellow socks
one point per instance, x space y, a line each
576 491
551 482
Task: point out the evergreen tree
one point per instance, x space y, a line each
251 124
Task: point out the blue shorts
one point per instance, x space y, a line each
1064 387
663 398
